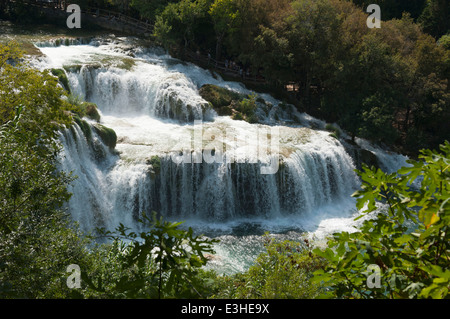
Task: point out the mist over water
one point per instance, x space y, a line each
151 101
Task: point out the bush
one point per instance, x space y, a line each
336 133
37 239
407 244
163 262
283 271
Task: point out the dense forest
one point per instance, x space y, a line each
389 85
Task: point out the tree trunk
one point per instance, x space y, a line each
219 47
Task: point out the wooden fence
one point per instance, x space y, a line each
107 15
141 25
226 67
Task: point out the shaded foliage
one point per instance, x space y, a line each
37 238
162 262
283 271
409 242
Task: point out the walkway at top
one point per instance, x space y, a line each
98 15
103 16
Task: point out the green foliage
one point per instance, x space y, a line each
282 272
409 242
37 92
246 108
224 15
37 239
149 9
391 9
179 23
155 162
162 262
435 17
336 133
238 116
445 41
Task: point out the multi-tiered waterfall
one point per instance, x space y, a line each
176 156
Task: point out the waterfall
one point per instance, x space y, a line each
106 191
112 190
152 101
146 90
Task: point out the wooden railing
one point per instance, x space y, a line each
118 17
226 67
141 25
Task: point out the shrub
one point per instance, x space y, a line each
336 133
163 262
283 271
408 244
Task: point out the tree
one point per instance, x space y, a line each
444 41
37 238
224 14
394 9
435 17
149 9
162 262
178 23
408 240
300 46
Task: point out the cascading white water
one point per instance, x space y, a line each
151 103
147 90
106 190
135 101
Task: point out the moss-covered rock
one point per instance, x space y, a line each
85 127
91 111
73 67
368 158
83 109
126 64
360 156
219 98
62 78
229 103
335 132
155 165
108 135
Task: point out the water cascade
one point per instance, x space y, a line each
176 156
